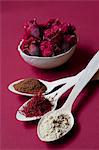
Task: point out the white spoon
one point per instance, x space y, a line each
45 131
49 85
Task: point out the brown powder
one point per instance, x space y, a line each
30 86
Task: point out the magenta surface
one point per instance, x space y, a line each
19 135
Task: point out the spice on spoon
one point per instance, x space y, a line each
30 86
54 126
37 106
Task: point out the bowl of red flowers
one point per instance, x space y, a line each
47 45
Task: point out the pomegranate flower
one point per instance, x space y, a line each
46 48
31 28
33 50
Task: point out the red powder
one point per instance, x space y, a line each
38 106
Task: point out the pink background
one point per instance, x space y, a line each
22 135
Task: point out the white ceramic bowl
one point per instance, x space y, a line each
47 62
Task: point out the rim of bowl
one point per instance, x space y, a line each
38 57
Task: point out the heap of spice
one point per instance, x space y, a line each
30 86
54 126
37 106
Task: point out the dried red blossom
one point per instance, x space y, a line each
57 39
70 39
31 28
26 42
34 50
47 34
57 50
46 48
50 33
70 29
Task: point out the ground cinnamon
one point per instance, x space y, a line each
30 86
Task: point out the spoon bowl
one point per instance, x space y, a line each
12 89
47 129
22 117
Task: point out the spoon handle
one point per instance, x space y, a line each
71 82
67 79
89 72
